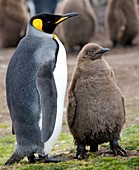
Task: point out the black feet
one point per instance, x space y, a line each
117 149
31 159
46 159
14 159
114 43
94 148
81 152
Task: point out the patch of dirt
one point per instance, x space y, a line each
104 152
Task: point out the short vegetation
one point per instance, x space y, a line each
65 148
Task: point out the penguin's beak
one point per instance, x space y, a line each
71 14
103 50
66 16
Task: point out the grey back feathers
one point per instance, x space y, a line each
80 31
96 111
122 21
13 21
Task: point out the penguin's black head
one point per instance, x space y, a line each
93 51
48 22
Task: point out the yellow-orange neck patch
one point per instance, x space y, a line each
38 24
55 36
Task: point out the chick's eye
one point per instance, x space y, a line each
91 52
46 23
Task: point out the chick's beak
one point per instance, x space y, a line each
66 16
103 50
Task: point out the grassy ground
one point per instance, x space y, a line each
64 148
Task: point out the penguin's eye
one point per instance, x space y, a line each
48 22
91 52
45 24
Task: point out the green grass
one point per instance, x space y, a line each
7 145
130 138
3 125
65 148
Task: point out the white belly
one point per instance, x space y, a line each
60 75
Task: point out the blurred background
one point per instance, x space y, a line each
101 21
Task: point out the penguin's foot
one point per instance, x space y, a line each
31 159
128 43
46 159
117 149
14 159
114 43
81 156
81 152
94 148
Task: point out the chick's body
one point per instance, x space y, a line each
99 104
96 112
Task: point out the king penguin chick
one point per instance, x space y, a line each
76 33
96 109
13 22
98 3
35 86
30 7
122 20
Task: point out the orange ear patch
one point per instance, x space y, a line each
37 23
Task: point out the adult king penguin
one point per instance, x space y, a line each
35 84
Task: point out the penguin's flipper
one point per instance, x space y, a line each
72 102
123 102
122 97
13 130
91 14
71 110
48 100
121 24
113 75
114 79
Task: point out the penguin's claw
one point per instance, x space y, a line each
117 149
84 156
81 156
81 151
31 159
14 159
